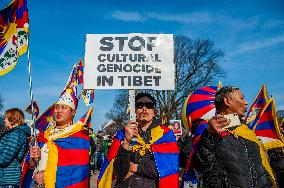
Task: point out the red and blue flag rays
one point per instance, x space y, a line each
71 151
164 150
13 34
267 128
80 72
44 120
257 105
73 160
198 132
200 104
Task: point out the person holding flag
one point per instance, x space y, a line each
64 158
229 154
151 161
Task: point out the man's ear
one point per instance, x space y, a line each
227 101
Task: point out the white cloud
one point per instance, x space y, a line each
128 16
255 45
272 23
197 17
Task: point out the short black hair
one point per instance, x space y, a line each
100 132
140 95
221 94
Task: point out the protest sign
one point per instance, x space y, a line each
129 61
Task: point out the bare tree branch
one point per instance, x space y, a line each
197 63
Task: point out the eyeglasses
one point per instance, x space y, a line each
148 105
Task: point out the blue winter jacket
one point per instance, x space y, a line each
13 146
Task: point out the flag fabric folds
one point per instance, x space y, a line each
27 173
14 25
257 105
165 151
68 156
88 96
28 109
80 72
190 176
199 105
45 119
72 80
267 128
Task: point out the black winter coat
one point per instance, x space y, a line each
146 175
276 159
230 162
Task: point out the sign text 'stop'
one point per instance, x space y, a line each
129 61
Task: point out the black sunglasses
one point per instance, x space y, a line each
146 104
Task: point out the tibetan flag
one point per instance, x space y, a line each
198 132
68 164
45 119
26 180
72 80
88 96
165 152
28 109
189 176
199 105
267 129
86 119
80 72
14 26
256 107
72 76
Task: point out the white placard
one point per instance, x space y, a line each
129 61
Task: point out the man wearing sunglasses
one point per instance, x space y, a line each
152 160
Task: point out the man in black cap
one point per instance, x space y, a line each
135 166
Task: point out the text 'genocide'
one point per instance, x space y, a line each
122 61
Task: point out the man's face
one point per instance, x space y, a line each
63 114
238 104
145 110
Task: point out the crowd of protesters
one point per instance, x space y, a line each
146 153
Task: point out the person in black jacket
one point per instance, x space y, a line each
131 169
230 155
276 159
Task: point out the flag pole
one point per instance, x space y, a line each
31 89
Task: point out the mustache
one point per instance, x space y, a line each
144 113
